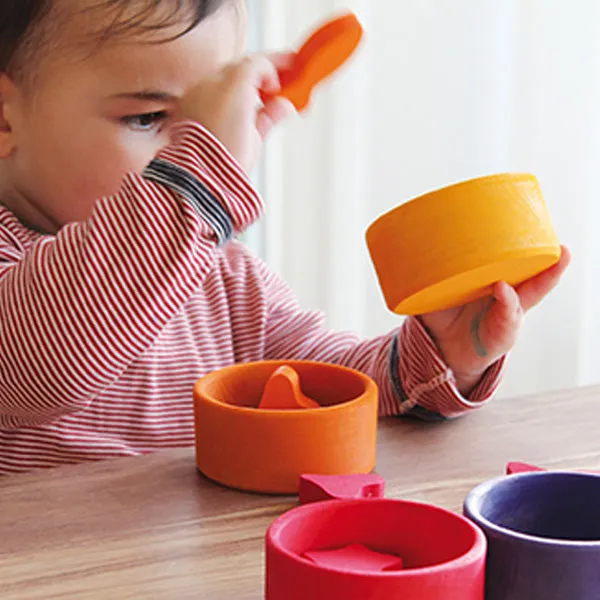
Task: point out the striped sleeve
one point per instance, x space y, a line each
406 365
78 308
426 385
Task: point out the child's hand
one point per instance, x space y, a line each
230 106
471 338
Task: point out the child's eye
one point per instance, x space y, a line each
146 121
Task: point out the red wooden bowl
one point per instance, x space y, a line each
376 549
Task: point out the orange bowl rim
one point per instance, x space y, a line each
201 397
495 178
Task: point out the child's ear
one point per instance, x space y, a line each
7 99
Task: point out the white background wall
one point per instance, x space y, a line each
440 92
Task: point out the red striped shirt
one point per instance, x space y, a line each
106 326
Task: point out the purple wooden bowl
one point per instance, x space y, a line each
543 532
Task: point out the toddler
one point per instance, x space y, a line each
127 129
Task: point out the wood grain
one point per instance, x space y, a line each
152 527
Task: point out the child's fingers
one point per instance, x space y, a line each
266 75
258 71
273 112
507 310
283 61
494 329
532 292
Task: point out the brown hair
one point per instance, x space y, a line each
23 31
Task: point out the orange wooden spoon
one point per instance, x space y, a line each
322 54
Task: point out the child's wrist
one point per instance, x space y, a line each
467 382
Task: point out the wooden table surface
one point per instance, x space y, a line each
152 527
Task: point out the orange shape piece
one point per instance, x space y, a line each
355 557
283 392
326 50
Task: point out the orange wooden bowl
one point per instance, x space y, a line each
449 247
258 450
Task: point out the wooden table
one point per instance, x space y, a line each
151 527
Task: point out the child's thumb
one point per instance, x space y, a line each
504 317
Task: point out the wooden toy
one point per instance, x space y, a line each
326 50
250 436
356 557
317 488
518 467
377 549
449 247
283 391
543 531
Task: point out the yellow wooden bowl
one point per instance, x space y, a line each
449 247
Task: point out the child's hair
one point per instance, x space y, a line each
25 24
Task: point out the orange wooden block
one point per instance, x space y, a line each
243 446
449 247
283 391
320 56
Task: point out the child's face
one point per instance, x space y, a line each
90 121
